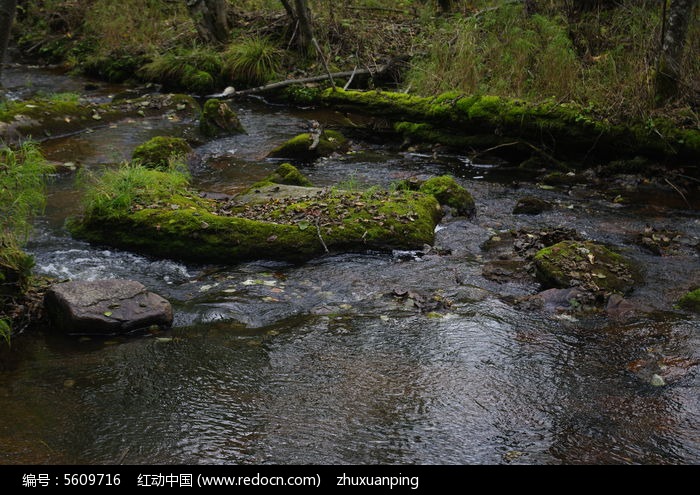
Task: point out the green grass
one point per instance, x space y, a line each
500 53
22 174
603 60
116 192
59 97
252 62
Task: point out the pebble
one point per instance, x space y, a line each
657 381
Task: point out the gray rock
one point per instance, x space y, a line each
105 307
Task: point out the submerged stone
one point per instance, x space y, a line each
301 148
105 307
218 119
530 205
159 151
586 265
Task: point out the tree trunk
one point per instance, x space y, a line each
7 16
446 5
669 65
306 33
210 18
530 7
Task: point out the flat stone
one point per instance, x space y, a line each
105 307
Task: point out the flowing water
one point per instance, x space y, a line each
322 363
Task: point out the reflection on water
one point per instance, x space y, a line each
322 363
361 389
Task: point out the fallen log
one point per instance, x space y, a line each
288 82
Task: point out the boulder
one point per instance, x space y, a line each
218 119
105 307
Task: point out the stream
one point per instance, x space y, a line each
276 363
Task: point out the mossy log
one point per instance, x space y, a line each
564 130
279 222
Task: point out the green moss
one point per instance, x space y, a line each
567 129
301 95
159 152
585 265
691 301
197 70
115 67
286 174
179 224
297 148
449 193
218 119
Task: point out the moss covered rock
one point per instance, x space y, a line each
299 148
449 193
158 152
586 265
691 301
289 223
218 119
286 174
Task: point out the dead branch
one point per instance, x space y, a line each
304 80
352 76
380 9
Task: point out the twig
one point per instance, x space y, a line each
323 60
679 192
318 232
688 177
495 148
352 76
294 33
